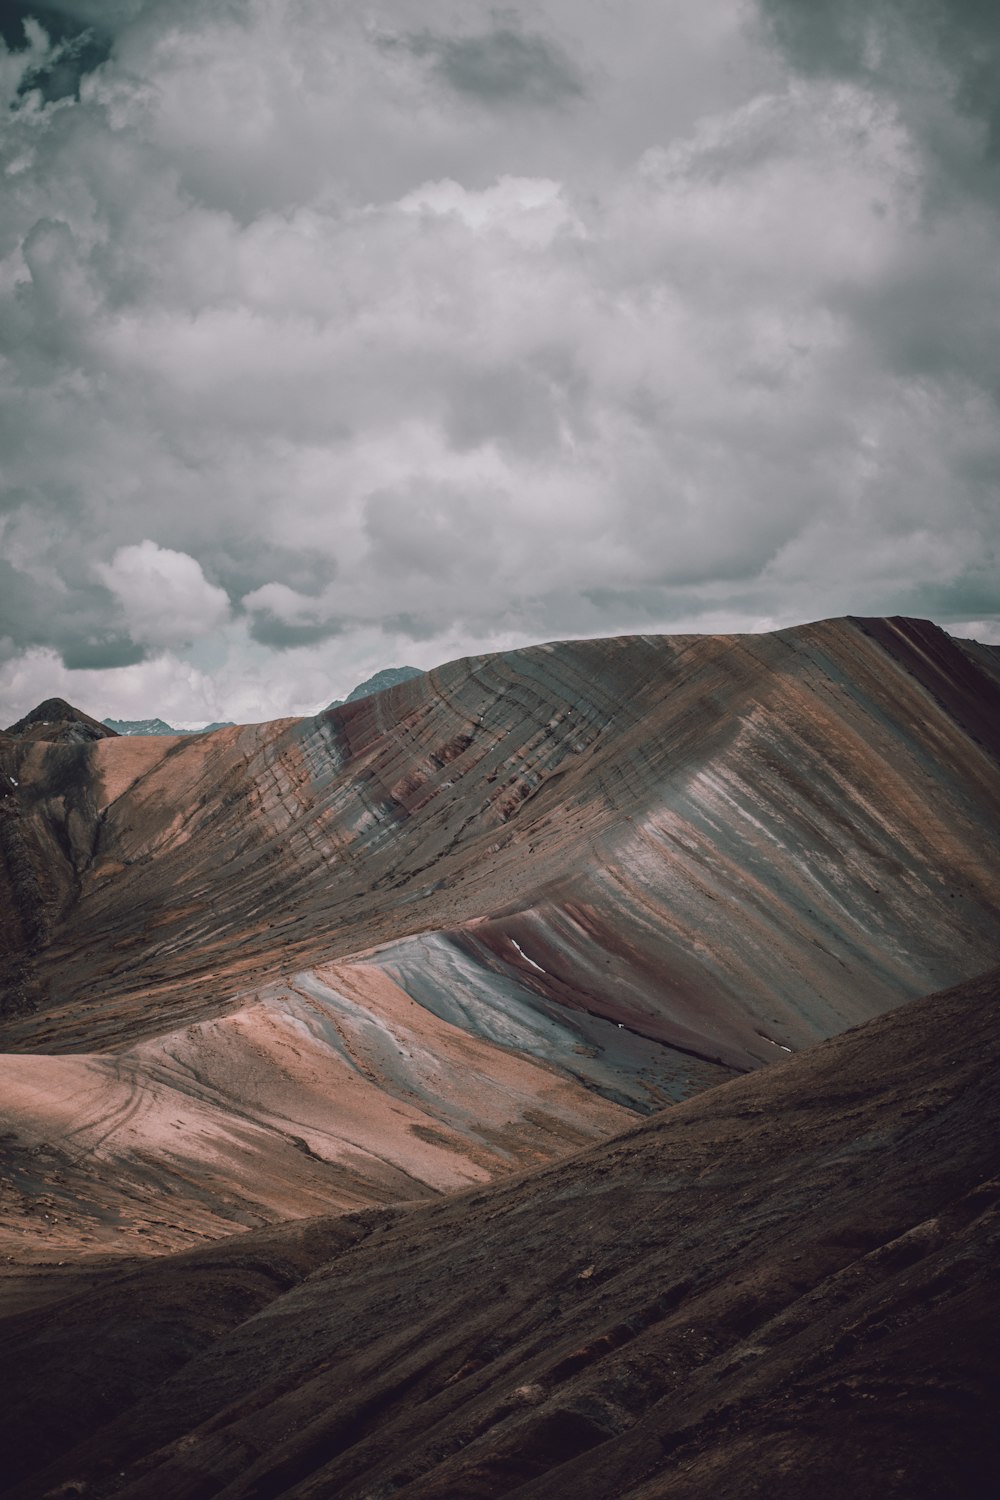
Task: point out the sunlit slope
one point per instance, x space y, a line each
335 1091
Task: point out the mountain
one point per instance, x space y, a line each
336 1051
457 929
159 726
784 1286
57 721
389 677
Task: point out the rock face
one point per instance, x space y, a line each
784 1286
463 926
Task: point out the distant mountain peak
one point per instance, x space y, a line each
55 719
389 677
158 726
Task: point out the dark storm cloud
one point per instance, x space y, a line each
268 630
973 596
72 623
102 654
922 53
317 343
242 565
82 36
924 321
504 65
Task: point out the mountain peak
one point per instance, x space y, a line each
55 719
130 727
389 677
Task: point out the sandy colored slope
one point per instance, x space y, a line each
790 1279
325 1094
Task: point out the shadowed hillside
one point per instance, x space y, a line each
786 1285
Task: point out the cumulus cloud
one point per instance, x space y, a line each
282 617
164 596
325 332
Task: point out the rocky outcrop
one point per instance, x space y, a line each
389 677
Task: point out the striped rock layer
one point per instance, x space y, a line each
475 921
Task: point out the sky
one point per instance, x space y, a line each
336 336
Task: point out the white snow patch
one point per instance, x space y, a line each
527 960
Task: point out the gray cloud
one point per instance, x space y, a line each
306 360
81 33
928 318
102 654
937 59
268 630
242 565
504 65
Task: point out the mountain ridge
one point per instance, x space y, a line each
457 927
160 726
65 723
661 708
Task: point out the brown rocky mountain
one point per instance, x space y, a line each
444 937
56 721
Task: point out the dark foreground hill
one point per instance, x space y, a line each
785 1287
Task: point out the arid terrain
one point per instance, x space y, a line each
402 1102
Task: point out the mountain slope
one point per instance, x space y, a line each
736 828
456 928
787 1283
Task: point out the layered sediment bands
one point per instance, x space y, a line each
397 963
333 1091
702 838
637 865
787 1284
